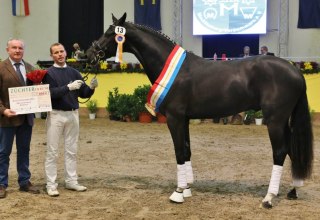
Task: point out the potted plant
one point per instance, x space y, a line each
161 118
140 94
258 117
92 106
249 117
126 107
112 104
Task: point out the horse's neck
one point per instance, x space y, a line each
152 52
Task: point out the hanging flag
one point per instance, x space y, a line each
309 14
147 12
20 7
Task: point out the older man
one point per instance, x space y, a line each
13 74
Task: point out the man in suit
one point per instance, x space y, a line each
264 51
13 74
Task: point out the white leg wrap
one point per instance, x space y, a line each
187 192
182 177
297 183
177 197
189 172
275 180
268 198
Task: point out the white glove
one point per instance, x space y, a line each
75 85
94 83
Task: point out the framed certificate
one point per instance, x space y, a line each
30 99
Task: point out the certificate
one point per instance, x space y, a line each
30 99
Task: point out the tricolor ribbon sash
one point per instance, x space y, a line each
20 8
165 80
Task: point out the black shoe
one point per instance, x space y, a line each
3 192
29 188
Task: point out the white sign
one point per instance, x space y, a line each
30 99
229 17
120 30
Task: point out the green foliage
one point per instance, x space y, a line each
258 114
121 105
112 100
125 106
140 93
249 117
92 105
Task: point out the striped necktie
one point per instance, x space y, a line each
18 71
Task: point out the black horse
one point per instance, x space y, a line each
207 89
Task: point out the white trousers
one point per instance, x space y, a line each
62 124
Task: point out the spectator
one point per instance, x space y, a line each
246 52
66 85
264 51
12 126
78 53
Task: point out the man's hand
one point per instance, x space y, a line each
9 113
75 85
94 83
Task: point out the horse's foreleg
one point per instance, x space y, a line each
189 170
178 133
178 195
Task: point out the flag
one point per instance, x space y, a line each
309 14
147 12
20 8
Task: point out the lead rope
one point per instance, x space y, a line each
85 78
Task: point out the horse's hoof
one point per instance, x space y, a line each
177 197
292 194
187 193
266 205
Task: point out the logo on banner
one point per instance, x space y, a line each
229 16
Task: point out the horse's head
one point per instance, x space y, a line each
106 45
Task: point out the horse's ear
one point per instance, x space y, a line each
114 19
122 19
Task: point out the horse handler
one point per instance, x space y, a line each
66 85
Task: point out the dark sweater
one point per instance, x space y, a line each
61 97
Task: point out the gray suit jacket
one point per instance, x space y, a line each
8 79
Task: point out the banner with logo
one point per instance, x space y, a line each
309 14
147 12
20 8
229 17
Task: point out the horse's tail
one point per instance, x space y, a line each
301 143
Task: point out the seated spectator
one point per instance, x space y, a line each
246 52
264 51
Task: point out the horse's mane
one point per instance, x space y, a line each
150 29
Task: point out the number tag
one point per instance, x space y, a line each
120 30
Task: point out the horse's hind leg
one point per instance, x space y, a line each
277 133
293 194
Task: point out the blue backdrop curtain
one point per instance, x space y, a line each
309 14
147 12
80 21
231 45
